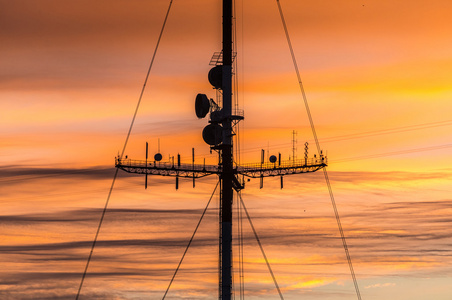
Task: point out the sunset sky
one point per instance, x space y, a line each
377 76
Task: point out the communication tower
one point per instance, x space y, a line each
218 134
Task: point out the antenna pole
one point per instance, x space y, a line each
294 146
226 176
146 176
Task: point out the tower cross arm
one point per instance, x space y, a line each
166 168
290 167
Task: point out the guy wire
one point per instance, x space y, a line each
330 190
122 153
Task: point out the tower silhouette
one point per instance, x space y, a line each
219 135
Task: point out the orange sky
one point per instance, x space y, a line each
377 77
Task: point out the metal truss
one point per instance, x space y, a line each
166 168
255 170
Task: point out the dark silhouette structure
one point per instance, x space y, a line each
219 135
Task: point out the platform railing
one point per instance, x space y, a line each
322 160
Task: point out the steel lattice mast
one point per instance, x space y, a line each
227 175
219 136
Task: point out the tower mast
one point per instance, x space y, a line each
227 175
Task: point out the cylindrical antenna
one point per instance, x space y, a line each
294 145
262 162
146 176
193 164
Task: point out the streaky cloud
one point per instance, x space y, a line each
93 214
15 173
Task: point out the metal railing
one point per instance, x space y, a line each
197 170
159 165
322 160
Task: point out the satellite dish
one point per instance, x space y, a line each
202 105
212 134
216 77
273 159
158 157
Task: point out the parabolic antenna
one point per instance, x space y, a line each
273 159
158 157
202 105
212 134
216 77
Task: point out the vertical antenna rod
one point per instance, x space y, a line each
226 176
146 176
294 146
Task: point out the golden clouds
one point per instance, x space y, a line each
144 235
377 78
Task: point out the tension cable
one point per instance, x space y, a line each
260 246
191 239
311 122
122 153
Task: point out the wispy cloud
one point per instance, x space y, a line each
380 285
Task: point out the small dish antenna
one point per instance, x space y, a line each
216 77
202 105
158 156
212 134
